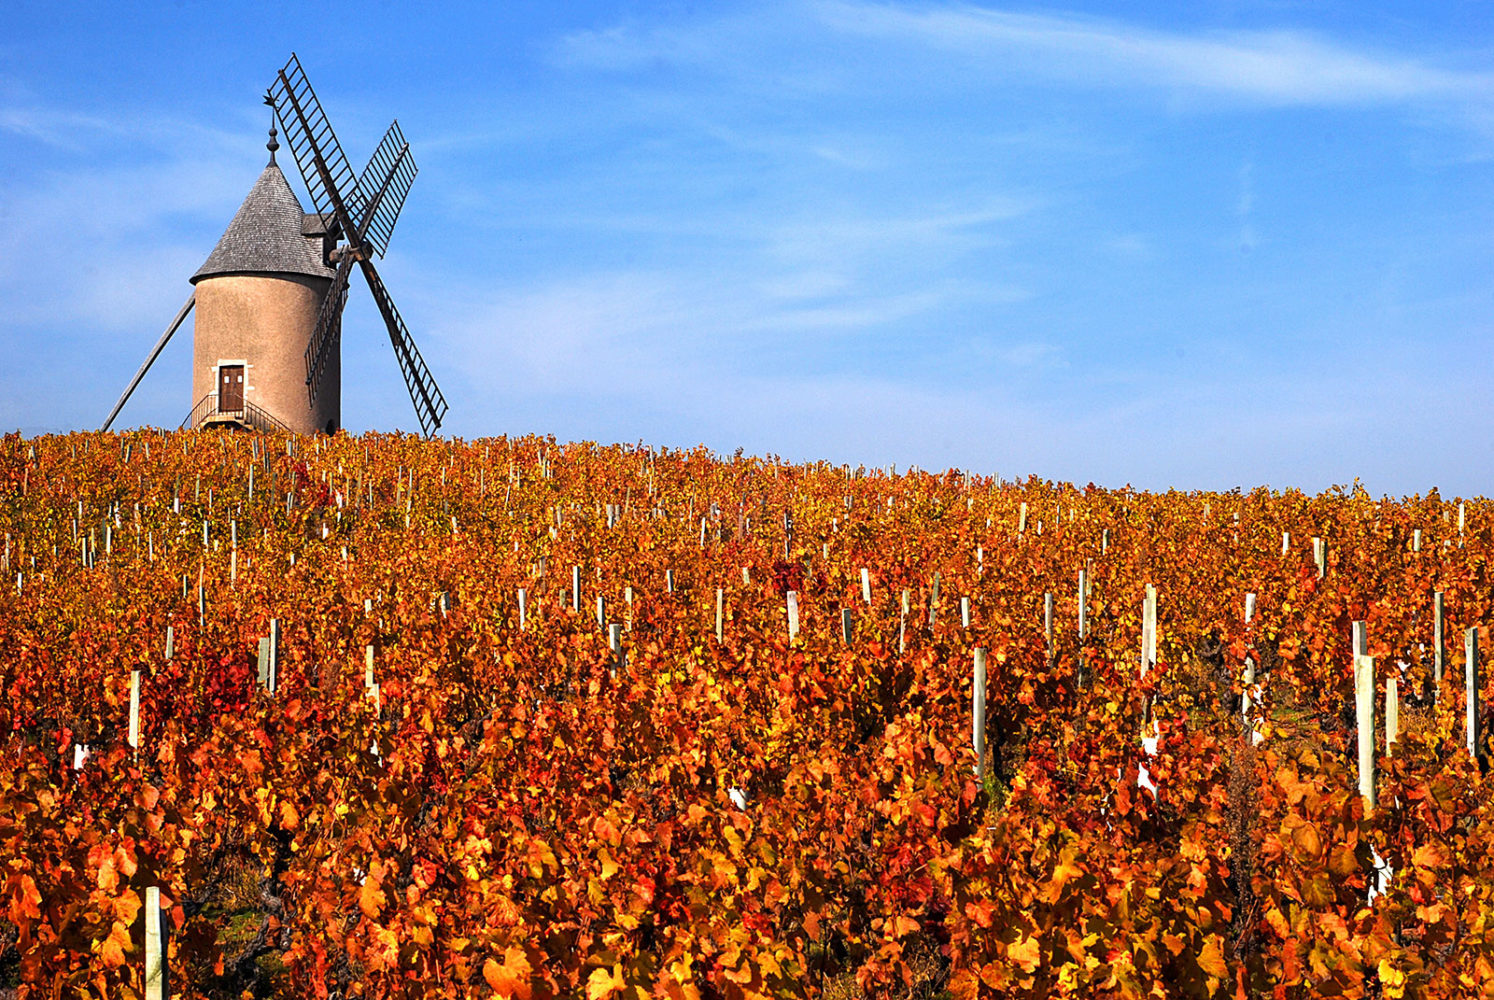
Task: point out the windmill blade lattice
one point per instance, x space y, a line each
430 404
384 183
329 179
324 337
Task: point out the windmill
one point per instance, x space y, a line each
269 299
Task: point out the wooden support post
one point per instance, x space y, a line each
964 612
1286 542
262 662
1022 518
902 625
865 585
1416 540
845 625
793 615
934 599
669 581
1364 710
978 715
601 611
134 730
1320 555
274 655
523 609
576 589
720 614
1104 541
368 667
170 642
1359 638
615 644
1439 646
1048 622
1083 605
1392 714
157 983
1148 629
1471 683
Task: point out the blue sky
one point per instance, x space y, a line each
1193 245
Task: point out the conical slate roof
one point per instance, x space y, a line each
266 235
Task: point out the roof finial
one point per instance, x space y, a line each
272 145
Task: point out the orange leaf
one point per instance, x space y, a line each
113 947
370 897
509 979
1026 953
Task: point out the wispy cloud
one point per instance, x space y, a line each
1278 67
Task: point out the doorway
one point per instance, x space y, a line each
230 388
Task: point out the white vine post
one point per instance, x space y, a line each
1471 683
1022 518
978 715
1364 710
523 609
845 625
902 625
1249 662
1048 622
134 733
964 612
865 585
1319 555
1083 605
934 599
669 581
1392 714
1439 646
157 984
1360 638
170 642
615 643
576 589
720 613
1148 629
368 668
274 655
793 615
601 611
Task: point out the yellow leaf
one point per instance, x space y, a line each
1429 856
1026 953
126 906
602 983
1211 959
113 947
370 898
288 817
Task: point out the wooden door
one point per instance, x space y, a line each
230 388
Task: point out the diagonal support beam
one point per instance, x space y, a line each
155 352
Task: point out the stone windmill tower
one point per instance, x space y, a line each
266 349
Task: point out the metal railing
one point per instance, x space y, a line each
250 415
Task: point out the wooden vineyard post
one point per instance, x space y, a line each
1392 714
865 585
1022 519
1364 710
523 609
1249 674
1416 540
1083 619
1320 555
1104 541
274 683
576 589
262 662
134 731
720 613
157 983
1148 629
669 581
1359 638
1048 623
978 715
368 668
170 642
601 611
1439 646
902 625
964 612
615 644
1286 542
934 599
845 625
1471 683
793 614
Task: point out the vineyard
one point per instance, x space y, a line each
385 717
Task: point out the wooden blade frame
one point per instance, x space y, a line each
331 184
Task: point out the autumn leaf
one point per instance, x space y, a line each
603 983
370 897
112 949
1026 953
